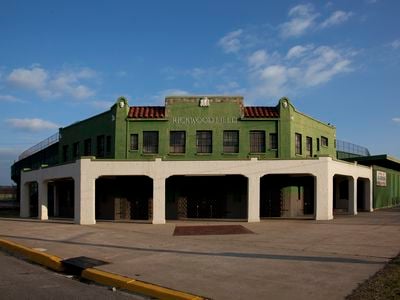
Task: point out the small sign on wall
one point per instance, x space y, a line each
381 178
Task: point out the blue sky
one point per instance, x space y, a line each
63 61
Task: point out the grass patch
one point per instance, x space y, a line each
385 284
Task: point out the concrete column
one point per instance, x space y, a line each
158 200
352 196
24 200
253 198
84 200
42 201
324 191
368 195
324 198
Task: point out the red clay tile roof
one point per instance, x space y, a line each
147 112
261 112
158 112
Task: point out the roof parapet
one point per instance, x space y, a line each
40 146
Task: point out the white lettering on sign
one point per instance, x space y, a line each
381 178
204 120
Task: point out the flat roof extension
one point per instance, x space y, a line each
382 160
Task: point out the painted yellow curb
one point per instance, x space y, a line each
106 278
47 260
133 285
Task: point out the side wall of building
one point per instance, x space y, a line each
386 194
186 115
294 122
112 132
47 156
97 128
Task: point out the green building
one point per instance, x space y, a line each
196 157
386 179
174 132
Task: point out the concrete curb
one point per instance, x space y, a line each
50 261
98 276
133 285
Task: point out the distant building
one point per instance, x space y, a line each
207 157
8 198
8 193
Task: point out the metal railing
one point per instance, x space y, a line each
40 146
350 148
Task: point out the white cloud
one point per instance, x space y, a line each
273 80
302 19
81 92
31 125
68 83
258 58
307 67
396 120
84 73
231 43
323 64
298 51
395 44
34 78
53 85
336 18
10 98
272 73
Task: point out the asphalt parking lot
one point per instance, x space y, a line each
22 280
282 259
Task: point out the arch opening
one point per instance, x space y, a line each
33 199
287 196
363 195
206 197
343 194
124 198
61 198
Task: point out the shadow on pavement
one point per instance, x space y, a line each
326 259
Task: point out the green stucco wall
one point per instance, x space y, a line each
102 124
227 114
293 122
185 114
121 139
47 156
389 195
